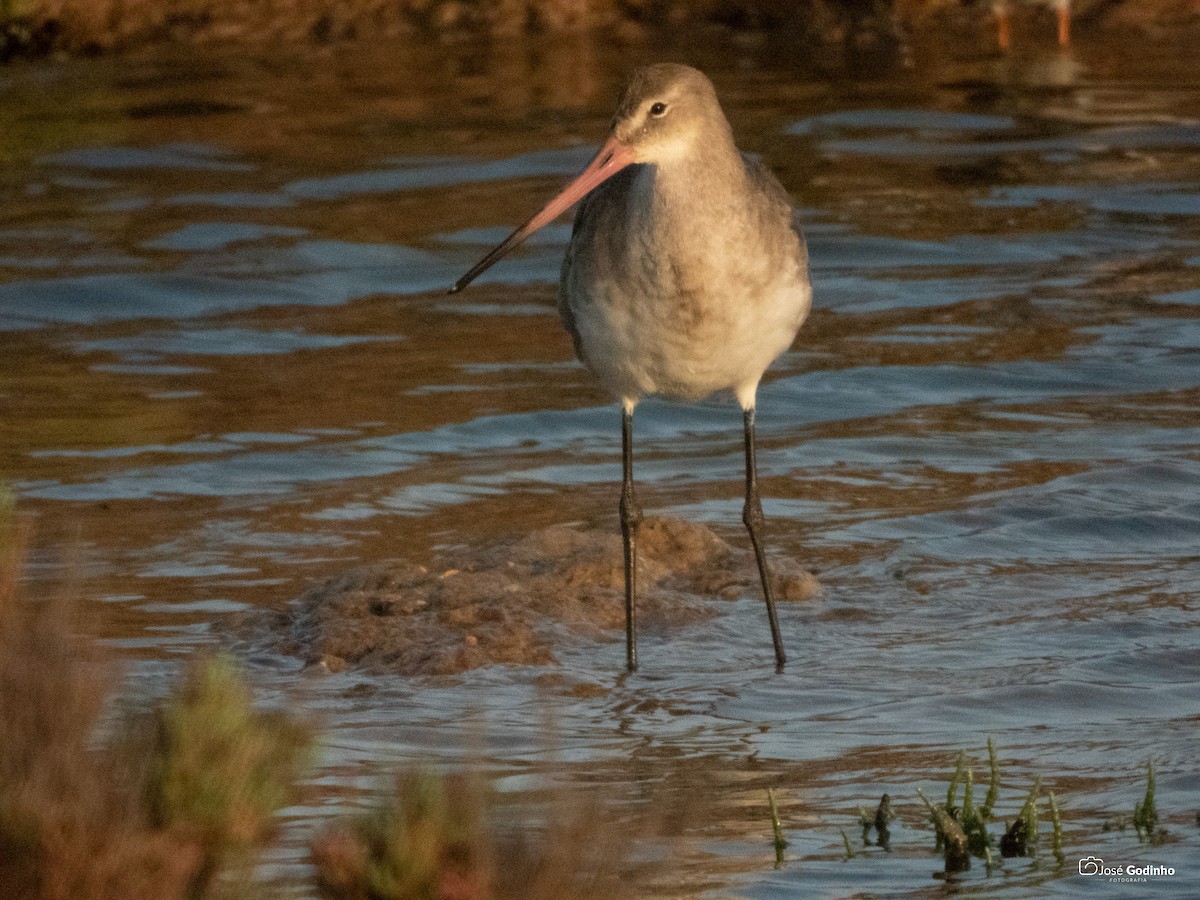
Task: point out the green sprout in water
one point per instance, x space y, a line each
1145 815
968 807
1014 841
879 820
1021 837
1056 821
989 802
867 821
951 837
884 813
973 821
850 854
780 842
960 769
1029 811
883 816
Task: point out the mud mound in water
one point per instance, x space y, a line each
516 600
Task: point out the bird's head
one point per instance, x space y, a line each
665 112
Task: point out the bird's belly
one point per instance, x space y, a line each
684 345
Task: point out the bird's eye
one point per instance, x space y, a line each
658 109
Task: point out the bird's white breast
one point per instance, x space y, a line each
683 304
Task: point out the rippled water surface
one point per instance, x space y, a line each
228 371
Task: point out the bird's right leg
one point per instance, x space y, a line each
752 515
631 517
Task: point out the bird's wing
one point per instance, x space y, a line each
764 181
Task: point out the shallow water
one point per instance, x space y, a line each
228 371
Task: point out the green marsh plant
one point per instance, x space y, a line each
776 829
963 827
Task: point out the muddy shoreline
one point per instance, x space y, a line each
41 28
514 600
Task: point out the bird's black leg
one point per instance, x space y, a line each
631 517
752 515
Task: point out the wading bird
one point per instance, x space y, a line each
1003 12
686 275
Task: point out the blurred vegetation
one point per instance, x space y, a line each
220 769
178 803
422 840
97 805
433 836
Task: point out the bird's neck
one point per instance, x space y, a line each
692 206
707 183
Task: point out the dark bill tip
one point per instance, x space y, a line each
613 157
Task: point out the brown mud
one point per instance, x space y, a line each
515 600
36 28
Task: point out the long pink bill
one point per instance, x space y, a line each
612 158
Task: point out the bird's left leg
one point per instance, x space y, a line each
631 518
752 515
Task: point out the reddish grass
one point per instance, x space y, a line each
152 807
